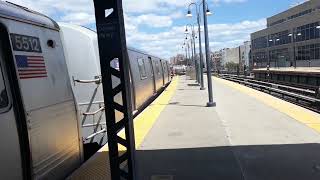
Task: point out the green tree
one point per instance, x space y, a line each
231 66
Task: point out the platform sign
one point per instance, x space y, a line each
112 45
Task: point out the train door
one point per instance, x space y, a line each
169 71
10 155
162 68
152 75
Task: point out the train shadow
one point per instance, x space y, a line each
256 162
249 162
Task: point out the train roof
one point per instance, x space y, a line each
19 13
89 32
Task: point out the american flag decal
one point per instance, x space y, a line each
30 67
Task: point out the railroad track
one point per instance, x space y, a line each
300 96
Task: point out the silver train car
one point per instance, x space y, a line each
149 75
51 103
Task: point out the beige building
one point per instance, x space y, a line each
292 38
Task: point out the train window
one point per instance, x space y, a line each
142 68
4 101
157 67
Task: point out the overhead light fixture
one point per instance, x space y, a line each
208 13
318 27
189 13
290 34
270 40
277 39
299 34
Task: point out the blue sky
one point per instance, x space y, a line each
157 26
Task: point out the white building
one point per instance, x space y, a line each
233 55
245 53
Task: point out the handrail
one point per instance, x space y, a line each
97 133
95 124
95 112
97 80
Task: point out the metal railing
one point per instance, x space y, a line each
96 133
97 80
298 94
94 112
96 125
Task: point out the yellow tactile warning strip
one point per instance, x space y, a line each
97 167
305 116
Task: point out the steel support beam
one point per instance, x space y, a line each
112 47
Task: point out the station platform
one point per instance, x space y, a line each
249 135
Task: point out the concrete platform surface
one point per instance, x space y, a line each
249 135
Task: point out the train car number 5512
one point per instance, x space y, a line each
25 43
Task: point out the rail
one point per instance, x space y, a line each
304 91
94 124
94 112
97 80
286 92
96 133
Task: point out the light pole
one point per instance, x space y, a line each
186 55
294 36
206 12
193 46
200 46
189 57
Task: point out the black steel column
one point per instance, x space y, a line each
112 46
195 57
206 37
200 52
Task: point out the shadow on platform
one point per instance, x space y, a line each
193 85
258 162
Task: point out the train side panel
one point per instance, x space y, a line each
169 71
165 72
141 73
82 56
158 73
47 99
10 154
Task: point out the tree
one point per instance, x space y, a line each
231 66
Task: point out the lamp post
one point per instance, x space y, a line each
193 47
206 12
186 55
189 57
199 35
293 36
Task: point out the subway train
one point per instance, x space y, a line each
51 99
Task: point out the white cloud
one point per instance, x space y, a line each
296 3
168 43
228 1
154 14
79 18
153 20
